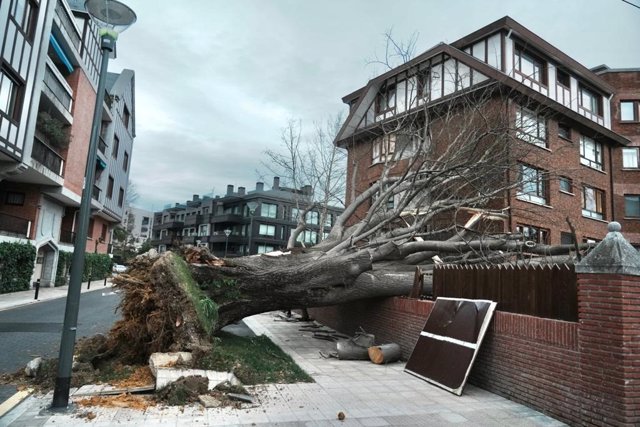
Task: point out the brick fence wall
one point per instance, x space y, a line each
530 360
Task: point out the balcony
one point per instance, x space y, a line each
14 226
58 89
169 225
231 218
47 157
65 17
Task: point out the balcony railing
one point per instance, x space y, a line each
14 225
54 81
68 25
47 157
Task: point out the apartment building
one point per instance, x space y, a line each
243 222
50 65
579 128
139 224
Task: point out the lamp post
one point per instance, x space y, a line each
227 232
252 209
112 18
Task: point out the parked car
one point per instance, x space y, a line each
119 268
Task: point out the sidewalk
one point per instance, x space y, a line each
17 299
368 395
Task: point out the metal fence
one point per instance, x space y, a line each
548 291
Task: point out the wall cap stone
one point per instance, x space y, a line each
613 255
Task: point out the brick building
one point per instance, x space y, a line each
49 77
204 220
563 118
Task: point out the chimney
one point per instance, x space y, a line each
276 183
229 190
307 190
259 186
241 191
196 197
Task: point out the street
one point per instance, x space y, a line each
35 330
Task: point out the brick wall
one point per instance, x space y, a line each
538 362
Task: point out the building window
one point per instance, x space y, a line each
203 230
14 198
103 234
264 249
590 101
11 94
566 185
125 161
110 187
328 220
630 158
531 127
116 147
563 78
269 210
267 230
530 66
121 197
533 234
312 218
592 202
125 117
629 111
632 206
386 99
564 131
383 148
25 14
532 184
295 213
308 236
591 153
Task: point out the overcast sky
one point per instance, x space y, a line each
216 81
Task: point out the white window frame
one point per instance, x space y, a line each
630 158
264 249
383 148
590 203
533 184
591 153
531 127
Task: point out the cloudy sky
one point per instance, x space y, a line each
216 81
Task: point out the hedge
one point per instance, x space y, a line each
16 266
98 265
64 265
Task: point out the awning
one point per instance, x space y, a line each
100 164
60 53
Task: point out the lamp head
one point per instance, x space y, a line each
252 207
227 232
111 16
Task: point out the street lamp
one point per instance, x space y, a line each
112 17
227 232
252 206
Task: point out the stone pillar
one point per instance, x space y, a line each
609 332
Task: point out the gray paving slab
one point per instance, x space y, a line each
368 394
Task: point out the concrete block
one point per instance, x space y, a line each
161 360
165 376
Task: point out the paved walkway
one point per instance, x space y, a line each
18 299
368 395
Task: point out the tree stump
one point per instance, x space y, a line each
385 353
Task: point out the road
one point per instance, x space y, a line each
34 330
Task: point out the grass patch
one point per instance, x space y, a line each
254 360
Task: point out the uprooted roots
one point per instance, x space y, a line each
157 312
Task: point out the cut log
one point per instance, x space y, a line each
355 348
385 353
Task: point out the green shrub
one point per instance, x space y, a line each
96 266
16 266
64 265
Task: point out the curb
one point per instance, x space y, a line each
14 401
39 300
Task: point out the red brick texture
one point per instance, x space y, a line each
584 373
